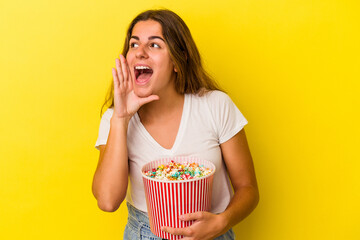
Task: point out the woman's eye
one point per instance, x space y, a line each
155 45
132 45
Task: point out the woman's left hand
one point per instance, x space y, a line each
206 226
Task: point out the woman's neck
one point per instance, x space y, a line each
167 105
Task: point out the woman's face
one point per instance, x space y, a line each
149 60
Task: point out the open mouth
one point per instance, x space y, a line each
143 73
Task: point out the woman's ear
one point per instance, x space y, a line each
175 69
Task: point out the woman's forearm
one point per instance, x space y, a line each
243 202
111 176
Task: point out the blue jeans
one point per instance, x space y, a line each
138 227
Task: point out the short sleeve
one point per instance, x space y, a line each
104 128
228 119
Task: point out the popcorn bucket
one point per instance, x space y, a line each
166 200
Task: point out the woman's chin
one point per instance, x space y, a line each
142 93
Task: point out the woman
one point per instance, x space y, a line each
164 104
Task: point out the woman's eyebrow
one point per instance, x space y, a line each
150 38
154 37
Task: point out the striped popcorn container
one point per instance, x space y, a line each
167 200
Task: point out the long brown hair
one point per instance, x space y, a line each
191 77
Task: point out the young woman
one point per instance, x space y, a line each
164 104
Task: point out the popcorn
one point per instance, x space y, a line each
175 171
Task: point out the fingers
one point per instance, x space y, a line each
192 216
124 69
177 231
130 77
115 78
123 72
120 75
188 231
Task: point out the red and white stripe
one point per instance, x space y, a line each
167 200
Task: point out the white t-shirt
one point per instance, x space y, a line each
206 122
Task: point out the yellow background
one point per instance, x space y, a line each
292 67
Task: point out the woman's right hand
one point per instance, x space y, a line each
126 102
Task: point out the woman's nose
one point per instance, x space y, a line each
141 52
